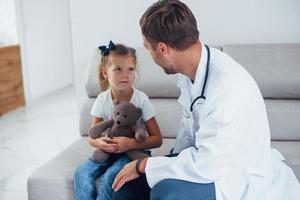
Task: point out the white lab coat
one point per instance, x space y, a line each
226 139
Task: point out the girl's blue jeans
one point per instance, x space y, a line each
86 174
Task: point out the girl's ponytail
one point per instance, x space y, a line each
104 85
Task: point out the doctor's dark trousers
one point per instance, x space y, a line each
168 189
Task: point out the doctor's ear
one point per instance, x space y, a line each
163 48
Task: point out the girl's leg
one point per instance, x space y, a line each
105 191
85 177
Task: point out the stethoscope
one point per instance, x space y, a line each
205 81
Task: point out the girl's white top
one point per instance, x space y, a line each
104 108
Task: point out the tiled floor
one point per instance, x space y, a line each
31 136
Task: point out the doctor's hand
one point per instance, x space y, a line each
128 173
123 143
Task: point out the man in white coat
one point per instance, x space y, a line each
223 143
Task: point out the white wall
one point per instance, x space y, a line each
244 21
44 33
95 22
8 32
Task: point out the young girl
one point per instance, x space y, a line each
117 73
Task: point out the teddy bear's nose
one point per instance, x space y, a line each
118 122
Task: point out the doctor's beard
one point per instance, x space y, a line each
170 70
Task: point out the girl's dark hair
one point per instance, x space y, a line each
171 22
120 50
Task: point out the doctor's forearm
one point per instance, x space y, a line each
142 166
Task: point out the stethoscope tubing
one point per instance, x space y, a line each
202 96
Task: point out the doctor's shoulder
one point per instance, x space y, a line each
226 70
227 66
226 80
240 78
223 63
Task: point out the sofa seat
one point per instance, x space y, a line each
54 179
56 176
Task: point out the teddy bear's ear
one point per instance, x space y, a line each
116 102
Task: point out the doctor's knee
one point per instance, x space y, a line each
163 190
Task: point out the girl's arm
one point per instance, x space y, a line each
96 120
93 142
153 141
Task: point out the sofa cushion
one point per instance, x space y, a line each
85 118
284 118
168 112
282 115
275 67
291 152
167 146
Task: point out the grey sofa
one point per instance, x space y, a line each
276 68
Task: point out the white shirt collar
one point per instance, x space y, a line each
109 93
184 82
196 88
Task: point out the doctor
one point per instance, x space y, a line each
223 143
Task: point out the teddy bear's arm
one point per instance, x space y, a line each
95 131
140 132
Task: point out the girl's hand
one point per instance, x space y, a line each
105 144
123 143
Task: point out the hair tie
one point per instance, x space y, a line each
106 50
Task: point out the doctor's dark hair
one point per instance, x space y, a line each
171 22
119 50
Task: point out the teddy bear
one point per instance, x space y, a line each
124 123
